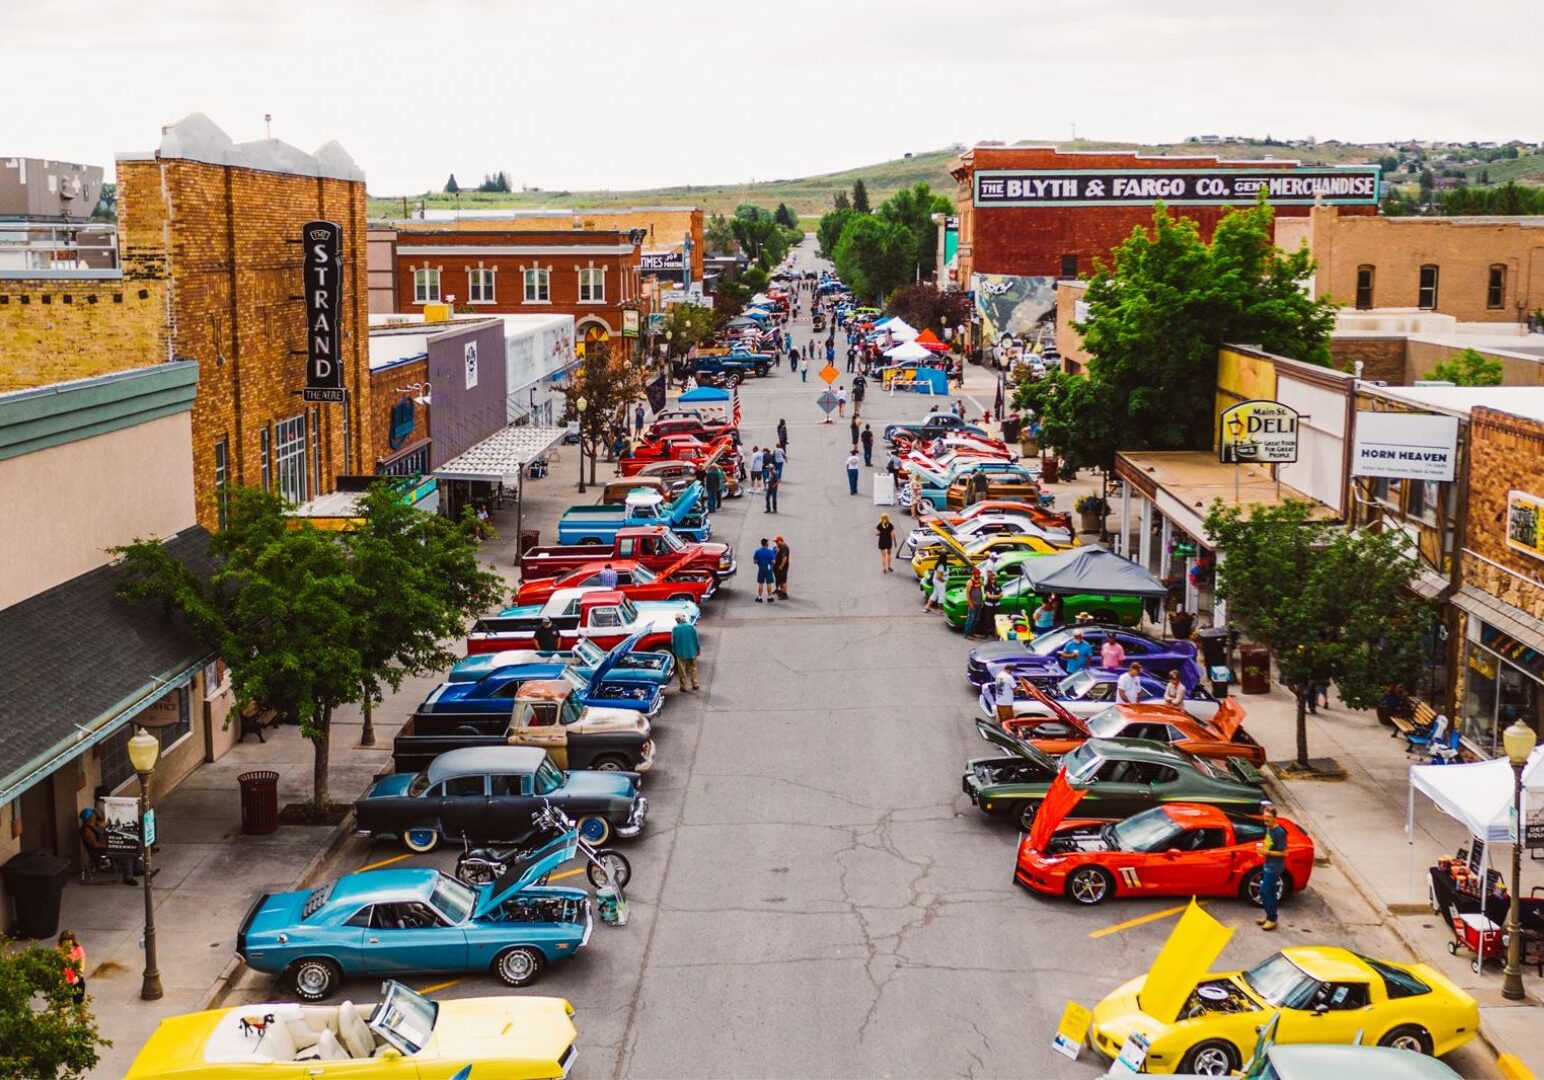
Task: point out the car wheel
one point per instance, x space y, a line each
1027 815
519 966
594 830
609 763
1249 888
613 865
421 841
1090 885
1215 1057
591 540
314 978
1408 1037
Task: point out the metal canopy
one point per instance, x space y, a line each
502 456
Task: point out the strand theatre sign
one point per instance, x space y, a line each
322 279
1258 432
1301 186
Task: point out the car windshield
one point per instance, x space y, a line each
588 653
672 541
627 612
1052 642
405 1019
1280 982
453 899
1082 764
1107 724
1075 686
1150 830
642 576
547 779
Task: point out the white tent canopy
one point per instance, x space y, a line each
909 350
1478 794
900 328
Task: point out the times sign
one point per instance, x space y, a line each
1346 186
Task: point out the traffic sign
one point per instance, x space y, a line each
827 401
830 374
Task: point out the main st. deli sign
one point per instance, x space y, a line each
322 277
1345 186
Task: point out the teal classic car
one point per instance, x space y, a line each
397 922
655 668
1019 597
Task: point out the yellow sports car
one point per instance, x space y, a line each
956 554
406 1036
1191 1022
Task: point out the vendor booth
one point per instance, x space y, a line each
915 376
716 405
1088 573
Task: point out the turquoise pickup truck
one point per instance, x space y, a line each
599 524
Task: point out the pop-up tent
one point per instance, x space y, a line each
1478 794
908 350
899 327
1091 570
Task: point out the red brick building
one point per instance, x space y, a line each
592 275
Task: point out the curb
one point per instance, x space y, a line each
227 979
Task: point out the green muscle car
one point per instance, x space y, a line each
1019 598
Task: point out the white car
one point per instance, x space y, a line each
980 527
1088 693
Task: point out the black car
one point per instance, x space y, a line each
489 794
931 427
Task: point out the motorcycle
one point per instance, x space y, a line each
603 866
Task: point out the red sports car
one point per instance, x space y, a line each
634 580
1178 849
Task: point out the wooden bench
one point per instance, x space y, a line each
1421 718
253 721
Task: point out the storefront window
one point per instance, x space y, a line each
1477 726
113 751
1505 683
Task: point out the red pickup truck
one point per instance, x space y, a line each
652 545
679 581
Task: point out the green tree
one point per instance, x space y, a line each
44 1033
785 217
873 256
718 236
1469 368
755 279
913 208
608 384
860 201
924 306
1389 164
1427 182
417 584
1072 411
451 187
279 607
1332 603
688 326
839 201
757 232
107 204
829 230
1157 317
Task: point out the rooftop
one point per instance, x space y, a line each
1524 401
197 138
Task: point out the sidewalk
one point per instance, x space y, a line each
1359 823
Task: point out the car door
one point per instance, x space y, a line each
1123 788
410 936
510 807
1196 862
463 805
1335 1013
538 726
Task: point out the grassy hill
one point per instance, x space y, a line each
811 196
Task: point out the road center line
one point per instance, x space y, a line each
1142 919
439 986
383 862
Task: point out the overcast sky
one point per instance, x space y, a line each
623 93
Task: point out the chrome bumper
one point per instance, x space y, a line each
646 758
635 820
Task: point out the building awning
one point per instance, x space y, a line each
1185 483
1429 585
81 663
502 456
1514 622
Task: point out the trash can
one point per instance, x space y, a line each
1050 468
1254 662
34 880
529 538
1214 646
1011 428
259 802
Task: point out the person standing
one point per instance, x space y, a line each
853 462
854 427
73 953
1003 689
916 496
1045 618
852 357
793 360
782 435
1274 849
1057 606
859 387
831 352
638 418
1174 691
546 636
841 401
939 585
780 567
764 557
774 481
804 373
993 597
779 459
715 487
867 439
975 604
608 577
1128 688
1112 654
885 531
1077 654
686 646
756 459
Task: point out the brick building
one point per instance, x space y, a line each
592 275
209 270
1476 269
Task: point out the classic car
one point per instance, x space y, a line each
1036 658
978 528
1123 777
929 427
679 581
1314 1061
1020 599
615 491
488 794
546 713
654 668
682 513
1001 512
698 427
1178 849
1221 736
405 1035
954 553
603 616
654 546
1090 693
416 920
1010 482
1206 1024
492 695
664 448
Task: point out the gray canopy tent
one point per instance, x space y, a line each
1091 570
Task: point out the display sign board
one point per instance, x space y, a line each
827 402
150 827
661 262
1301 186
1407 446
322 283
629 322
1261 432
829 373
1525 523
1073 1028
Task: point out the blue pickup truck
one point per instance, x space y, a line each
494 693
599 524
654 668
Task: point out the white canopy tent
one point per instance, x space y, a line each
908 350
1478 794
900 328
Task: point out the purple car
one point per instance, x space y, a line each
1037 659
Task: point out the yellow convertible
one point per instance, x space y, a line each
405 1037
1206 1024
956 554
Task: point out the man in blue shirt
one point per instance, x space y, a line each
608 577
1274 848
686 646
1076 656
766 581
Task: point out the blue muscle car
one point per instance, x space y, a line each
392 923
1037 659
494 693
645 667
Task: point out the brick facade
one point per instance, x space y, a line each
388 386
665 227
1382 358
1506 453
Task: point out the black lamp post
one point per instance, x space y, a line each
144 749
1519 740
581 405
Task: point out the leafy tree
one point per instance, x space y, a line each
718 236
840 201
860 201
757 232
924 306
1331 603
1389 164
107 204
785 217
689 326
451 187
417 583
755 279
1072 412
608 385
873 256
1427 181
829 230
914 208
1157 317
1469 368
44 1033
279 607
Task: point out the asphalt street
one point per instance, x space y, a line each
814 896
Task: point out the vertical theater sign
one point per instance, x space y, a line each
322 243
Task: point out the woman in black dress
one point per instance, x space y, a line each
886 533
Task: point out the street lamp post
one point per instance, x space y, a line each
144 749
581 405
1519 740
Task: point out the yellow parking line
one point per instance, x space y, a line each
1140 920
383 862
439 986
566 873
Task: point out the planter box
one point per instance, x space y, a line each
1090 523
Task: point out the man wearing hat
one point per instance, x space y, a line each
1077 654
686 646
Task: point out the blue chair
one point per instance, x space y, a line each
1424 739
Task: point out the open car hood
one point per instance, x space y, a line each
1058 803
947 538
1195 943
1228 719
1057 709
993 732
523 873
614 657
